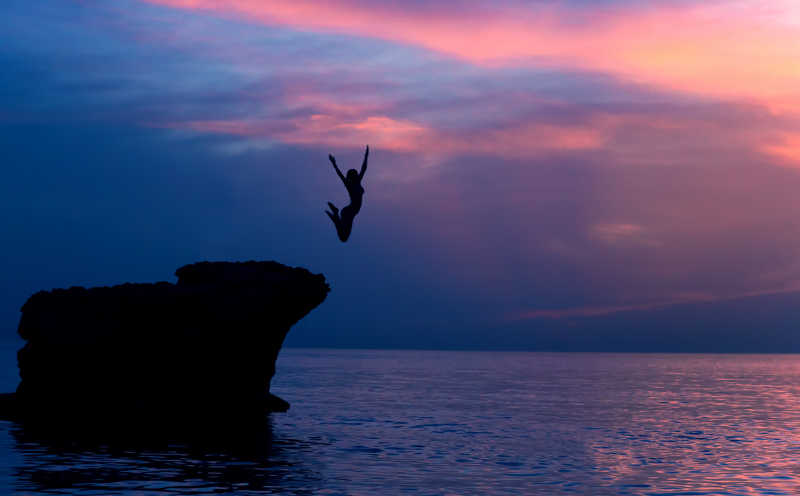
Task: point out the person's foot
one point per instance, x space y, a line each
333 208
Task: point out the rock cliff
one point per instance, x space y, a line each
205 345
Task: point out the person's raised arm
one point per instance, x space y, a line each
338 172
364 165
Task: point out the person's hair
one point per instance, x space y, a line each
352 174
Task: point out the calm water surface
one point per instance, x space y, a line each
410 422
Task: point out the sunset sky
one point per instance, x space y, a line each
545 174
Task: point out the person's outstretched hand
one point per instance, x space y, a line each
364 164
335 167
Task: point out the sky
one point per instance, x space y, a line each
576 175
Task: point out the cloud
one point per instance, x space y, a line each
621 233
384 132
688 299
729 49
518 128
787 149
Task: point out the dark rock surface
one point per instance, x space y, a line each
204 346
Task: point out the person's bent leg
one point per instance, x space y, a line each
346 222
344 231
341 230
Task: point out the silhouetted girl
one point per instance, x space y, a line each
344 221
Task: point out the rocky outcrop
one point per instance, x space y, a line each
207 344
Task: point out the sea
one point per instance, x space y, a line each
384 422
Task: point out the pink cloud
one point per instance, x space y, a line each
403 136
319 129
308 117
731 49
705 55
683 299
624 136
786 149
622 233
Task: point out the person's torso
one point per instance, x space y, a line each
356 191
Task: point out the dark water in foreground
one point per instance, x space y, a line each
397 422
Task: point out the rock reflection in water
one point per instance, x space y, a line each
244 461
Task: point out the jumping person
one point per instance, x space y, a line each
344 221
